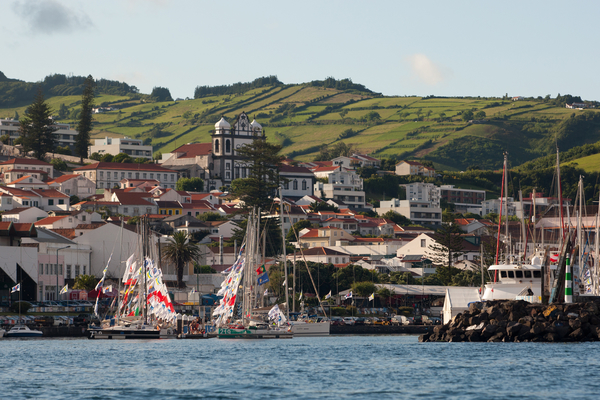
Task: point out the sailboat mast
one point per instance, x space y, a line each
285 274
579 224
523 230
560 200
506 203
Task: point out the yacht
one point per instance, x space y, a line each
516 281
23 331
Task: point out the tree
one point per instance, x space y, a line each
84 127
211 216
467 115
296 228
363 289
107 158
180 251
322 206
161 94
95 156
385 294
204 269
74 200
480 115
397 218
190 184
16 116
63 111
36 127
448 247
122 158
85 282
59 164
263 160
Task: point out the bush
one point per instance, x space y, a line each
338 311
406 311
23 305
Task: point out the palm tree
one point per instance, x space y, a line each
180 251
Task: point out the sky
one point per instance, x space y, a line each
397 48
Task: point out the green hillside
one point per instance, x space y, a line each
305 117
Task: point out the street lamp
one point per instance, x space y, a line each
61 248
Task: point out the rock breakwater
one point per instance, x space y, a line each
520 321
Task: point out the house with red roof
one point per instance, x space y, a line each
17 167
406 167
299 181
24 215
323 255
324 236
28 182
45 199
74 185
191 160
109 175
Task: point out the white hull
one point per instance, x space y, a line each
510 291
300 328
23 331
2 332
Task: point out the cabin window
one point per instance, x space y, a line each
537 274
511 274
527 274
519 274
503 274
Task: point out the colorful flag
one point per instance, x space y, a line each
300 298
261 270
16 288
266 292
328 295
372 297
262 279
349 295
65 289
107 289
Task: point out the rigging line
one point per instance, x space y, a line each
309 274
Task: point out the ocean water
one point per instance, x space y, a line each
335 367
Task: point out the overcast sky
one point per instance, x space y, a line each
443 48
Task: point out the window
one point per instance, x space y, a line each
286 185
101 185
165 177
83 269
227 166
41 269
137 175
527 274
227 146
83 218
423 242
101 174
50 202
537 274
519 274
151 176
61 201
216 145
144 175
148 210
295 185
511 274
116 176
68 275
304 185
47 269
172 177
243 172
125 209
77 271
129 175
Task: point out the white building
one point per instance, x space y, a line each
132 147
300 181
16 168
414 168
109 175
344 186
63 135
419 212
74 185
421 191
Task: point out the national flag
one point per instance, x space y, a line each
266 292
372 297
262 279
107 289
328 295
554 257
300 298
16 288
261 270
349 295
65 289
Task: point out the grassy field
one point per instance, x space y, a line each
408 127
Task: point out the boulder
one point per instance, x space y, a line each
577 334
424 337
497 337
575 323
538 328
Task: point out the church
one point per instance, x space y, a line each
217 163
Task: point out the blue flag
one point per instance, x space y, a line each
264 278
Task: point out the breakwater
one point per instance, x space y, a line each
520 321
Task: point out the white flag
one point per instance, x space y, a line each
16 288
349 295
328 295
372 297
65 289
300 298
284 283
266 292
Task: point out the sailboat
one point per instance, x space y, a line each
242 278
21 330
513 278
145 311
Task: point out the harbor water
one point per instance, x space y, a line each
335 367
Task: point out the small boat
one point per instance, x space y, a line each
23 331
254 330
308 328
138 330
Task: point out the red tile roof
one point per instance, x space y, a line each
64 178
30 161
68 233
49 193
49 220
192 150
22 179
